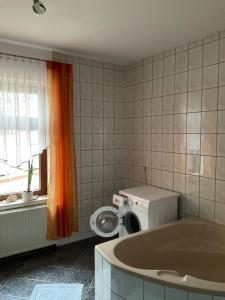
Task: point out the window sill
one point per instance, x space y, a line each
20 203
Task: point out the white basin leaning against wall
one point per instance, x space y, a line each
184 260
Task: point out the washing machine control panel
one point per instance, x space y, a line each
138 203
120 201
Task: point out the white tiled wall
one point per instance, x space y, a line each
112 283
98 132
174 117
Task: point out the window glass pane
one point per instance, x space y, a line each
14 180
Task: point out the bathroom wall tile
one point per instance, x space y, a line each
156 142
222 50
158 69
153 291
157 106
167 161
147 124
194 101
168 124
211 53
172 294
180 123
193 164
208 144
195 80
169 65
147 107
193 143
193 122
167 180
209 122
221 121
221 99
219 213
156 177
181 61
168 104
221 144
181 82
180 143
157 87
186 118
195 57
180 104
179 182
168 85
192 205
209 99
192 185
222 74
147 141
156 160
167 143
179 163
147 89
220 168
207 209
220 191
208 166
134 288
210 76
212 37
207 188
147 72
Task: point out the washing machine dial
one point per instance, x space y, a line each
130 202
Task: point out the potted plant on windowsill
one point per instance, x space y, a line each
28 194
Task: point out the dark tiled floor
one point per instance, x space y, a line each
72 263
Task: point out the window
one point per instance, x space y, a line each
23 125
14 180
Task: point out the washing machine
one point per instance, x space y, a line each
135 209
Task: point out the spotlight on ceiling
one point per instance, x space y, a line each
38 7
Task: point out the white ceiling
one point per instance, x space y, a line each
119 31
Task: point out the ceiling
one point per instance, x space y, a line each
118 31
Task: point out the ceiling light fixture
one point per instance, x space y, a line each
39 7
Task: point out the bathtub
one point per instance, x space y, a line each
184 260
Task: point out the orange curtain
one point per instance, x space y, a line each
62 194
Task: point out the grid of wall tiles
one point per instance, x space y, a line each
98 132
114 284
174 118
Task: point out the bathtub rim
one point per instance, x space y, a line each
192 284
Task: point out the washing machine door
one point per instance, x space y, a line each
131 222
106 221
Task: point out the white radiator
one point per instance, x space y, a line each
23 230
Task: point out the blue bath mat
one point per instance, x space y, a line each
57 291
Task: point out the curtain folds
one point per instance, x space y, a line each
62 194
23 109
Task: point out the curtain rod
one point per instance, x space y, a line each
22 56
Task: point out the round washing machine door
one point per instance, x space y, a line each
131 222
106 221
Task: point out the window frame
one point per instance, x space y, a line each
42 178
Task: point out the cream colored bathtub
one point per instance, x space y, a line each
187 254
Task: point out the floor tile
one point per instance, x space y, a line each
18 287
73 263
90 294
50 274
